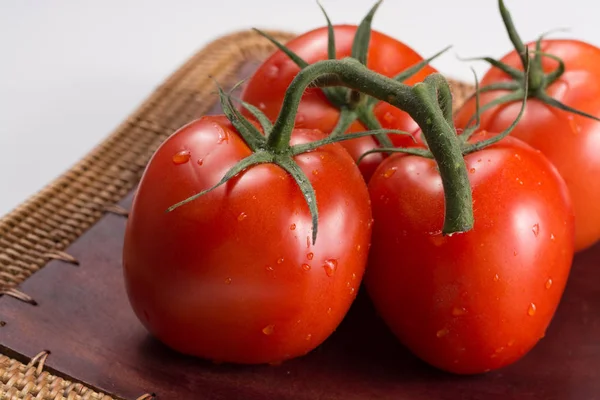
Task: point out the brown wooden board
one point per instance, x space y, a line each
84 319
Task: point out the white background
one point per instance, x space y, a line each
71 71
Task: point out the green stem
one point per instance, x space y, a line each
418 102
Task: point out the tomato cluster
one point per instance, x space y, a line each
279 208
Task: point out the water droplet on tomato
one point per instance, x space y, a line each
479 160
552 237
442 332
472 170
270 268
306 267
496 278
515 253
519 180
292 227
322 156
242 216
308 242
280 260
310 256
200 161
358 247
458 311
329 310
536 229
269 329
262 105
517 156
575 128
549 283
389 118
352 290
309 336
330 266
315 172
228 281
272 72
181 157
532 309
370 223
389 173
223 137
353 276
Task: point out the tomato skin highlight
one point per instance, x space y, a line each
480 300
387 56
571 142
233 276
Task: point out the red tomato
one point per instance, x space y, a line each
480 300
386 56
232 276
570 141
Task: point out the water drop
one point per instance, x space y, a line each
532 309
536 229
479 160
280 260
228 281
223 137
308 242
575 128
549 283
472 170
309 336
330 266
442 332
552 237
306 267
242 216
292 227
352 290
310 256
329 310
389 173
517 156
181 157
269 329
496 278
515 253
353 276
315 172
389 118
200 161
458 311
370 223
262 105
322 156
272 72
270 268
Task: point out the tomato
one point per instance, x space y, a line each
479 300
570 141
233 276
387 56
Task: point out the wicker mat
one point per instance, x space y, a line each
42 227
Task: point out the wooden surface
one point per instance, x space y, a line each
83 318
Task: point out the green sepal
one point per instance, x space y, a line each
260 157
360 46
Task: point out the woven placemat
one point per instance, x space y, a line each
43 226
